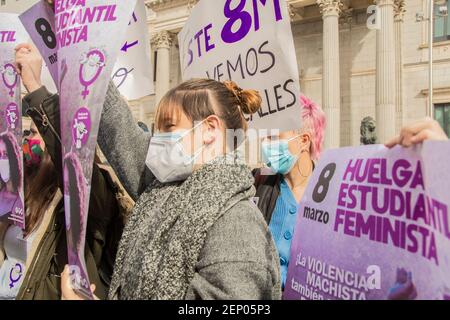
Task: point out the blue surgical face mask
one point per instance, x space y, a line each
166 157
277 157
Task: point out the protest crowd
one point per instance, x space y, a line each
177 211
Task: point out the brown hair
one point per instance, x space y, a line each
200 98
40 189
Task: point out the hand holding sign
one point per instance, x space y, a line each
67 292
418 132
39 23
29 66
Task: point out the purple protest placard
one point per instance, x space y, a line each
11 163
86 57
39 22
132 73
374 224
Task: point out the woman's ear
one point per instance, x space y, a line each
306 141
213 125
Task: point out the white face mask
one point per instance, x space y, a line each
166 158
5 174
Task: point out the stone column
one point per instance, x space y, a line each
385 75
331 89
399 14
162 42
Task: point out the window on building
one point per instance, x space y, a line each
442 115
441 21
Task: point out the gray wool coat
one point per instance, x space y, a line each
239 259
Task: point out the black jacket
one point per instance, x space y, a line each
267 192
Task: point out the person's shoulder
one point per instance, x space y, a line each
264 177
240 235
244 211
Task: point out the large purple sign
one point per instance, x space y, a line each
11 164
86 57
374 224
132 73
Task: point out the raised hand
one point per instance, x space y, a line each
66 288
418 132
29 66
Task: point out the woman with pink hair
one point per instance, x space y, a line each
290 157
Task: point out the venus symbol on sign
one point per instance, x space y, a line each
9 76
91 65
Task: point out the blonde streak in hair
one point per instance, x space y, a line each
166 108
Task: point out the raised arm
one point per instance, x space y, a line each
124 143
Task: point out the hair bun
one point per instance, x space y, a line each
249 100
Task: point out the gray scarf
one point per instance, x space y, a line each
162 241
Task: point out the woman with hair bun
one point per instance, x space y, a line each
290 157
194 232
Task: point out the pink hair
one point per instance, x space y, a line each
314 122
